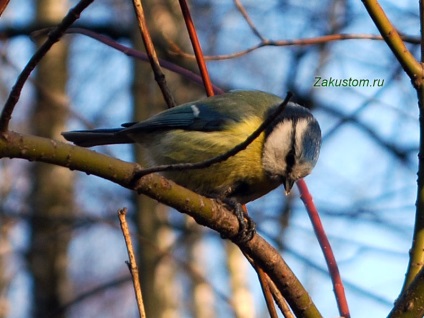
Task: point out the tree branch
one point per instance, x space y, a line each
416 260
389 33
411 303
205 211
415 71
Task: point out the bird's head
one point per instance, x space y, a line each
292 145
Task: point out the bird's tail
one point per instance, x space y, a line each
97 137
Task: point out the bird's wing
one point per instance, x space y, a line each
210 114
194 116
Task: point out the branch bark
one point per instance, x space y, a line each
411 300
205 211
389 33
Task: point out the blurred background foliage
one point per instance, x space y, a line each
61 250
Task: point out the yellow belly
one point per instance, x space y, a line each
241 172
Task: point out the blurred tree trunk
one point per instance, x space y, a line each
203 294
157 273
51 197
149 214
242 298
5 273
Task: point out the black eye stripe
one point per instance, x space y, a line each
291 155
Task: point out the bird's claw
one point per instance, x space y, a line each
247 227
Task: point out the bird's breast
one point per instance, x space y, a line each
241 176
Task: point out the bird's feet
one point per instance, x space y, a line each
247 227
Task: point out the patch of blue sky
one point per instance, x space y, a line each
99 92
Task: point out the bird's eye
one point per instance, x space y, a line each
290 159
291 156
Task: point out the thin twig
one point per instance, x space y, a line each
270 291
52 38
224 156
266 290
325 247
132 264
249 21
280 300
264 281
151 53
196 47
299 42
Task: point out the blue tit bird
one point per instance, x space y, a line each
284 152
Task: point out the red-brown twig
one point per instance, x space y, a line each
151 53
132 264
196 47
298 42
326 248
52 38
3 5
263 278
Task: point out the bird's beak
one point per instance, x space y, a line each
288 184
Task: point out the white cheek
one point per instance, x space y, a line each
301 126
276 147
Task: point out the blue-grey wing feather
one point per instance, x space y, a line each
210 114
188 117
